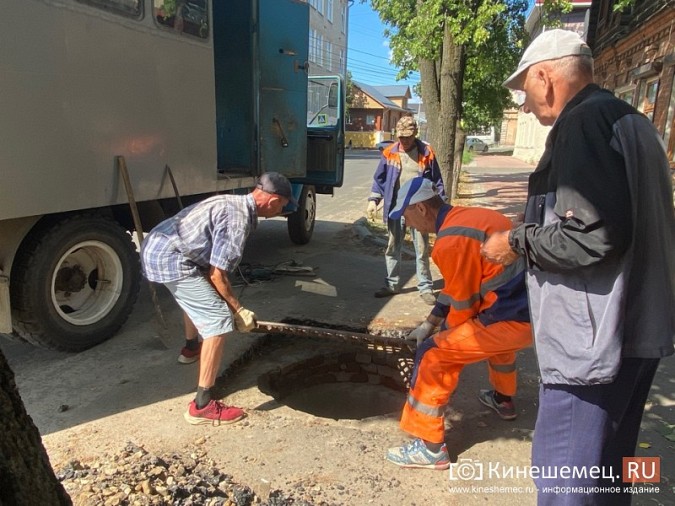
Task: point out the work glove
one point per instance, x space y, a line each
371 210
245 320
418 335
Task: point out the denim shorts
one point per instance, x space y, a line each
202 303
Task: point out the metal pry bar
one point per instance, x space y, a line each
307 331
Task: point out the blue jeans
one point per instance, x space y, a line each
590 425
392 256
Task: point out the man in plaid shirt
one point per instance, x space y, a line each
191 254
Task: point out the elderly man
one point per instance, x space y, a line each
400 162
482 313
191 253
598 239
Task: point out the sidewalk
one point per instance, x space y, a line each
495 181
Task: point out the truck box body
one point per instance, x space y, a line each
215 90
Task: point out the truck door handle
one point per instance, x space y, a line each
280 132
297 66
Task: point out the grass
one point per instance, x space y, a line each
467 157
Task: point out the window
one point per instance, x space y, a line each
627 95
313 38
342 61
319 50
370 119
344 18
321 111
131 8
329 10
669 131
183 16
647 97
328 55
319 6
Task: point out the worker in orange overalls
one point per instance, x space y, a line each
482 313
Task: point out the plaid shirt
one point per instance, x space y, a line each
211 232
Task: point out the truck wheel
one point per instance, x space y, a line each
74 283
301 222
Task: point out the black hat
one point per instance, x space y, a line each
278 184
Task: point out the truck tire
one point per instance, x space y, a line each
74 283
301 222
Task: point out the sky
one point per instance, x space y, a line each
368 50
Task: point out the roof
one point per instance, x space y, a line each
372 92
396 90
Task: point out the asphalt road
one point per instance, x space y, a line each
350 200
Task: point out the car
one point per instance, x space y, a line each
384 144
476 144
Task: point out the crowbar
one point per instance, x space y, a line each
345 335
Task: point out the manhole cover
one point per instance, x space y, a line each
347 385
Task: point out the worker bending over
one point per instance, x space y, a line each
482 313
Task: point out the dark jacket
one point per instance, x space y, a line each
385 179
599 241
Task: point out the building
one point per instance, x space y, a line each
634 54
374 112
328 26
509 128
530 136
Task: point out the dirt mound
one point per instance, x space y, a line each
134 476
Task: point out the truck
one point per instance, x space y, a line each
192 98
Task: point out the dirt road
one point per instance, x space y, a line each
326 442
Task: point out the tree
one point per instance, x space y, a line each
450 41
26 476
349 95
489 64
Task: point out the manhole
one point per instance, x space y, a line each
356 384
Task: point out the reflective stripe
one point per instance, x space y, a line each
510 272
444 299
503 367
459 305
424 408
471 233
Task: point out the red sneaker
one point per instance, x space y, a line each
188 356
215 413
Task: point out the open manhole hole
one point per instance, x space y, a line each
358 382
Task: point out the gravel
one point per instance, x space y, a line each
134 476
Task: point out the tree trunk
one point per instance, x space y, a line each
26 476
442 95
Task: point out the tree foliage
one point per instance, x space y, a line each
349 92
455 43
489 64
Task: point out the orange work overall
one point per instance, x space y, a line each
437 373
475 291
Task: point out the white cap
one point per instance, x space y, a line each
549 45
417 189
